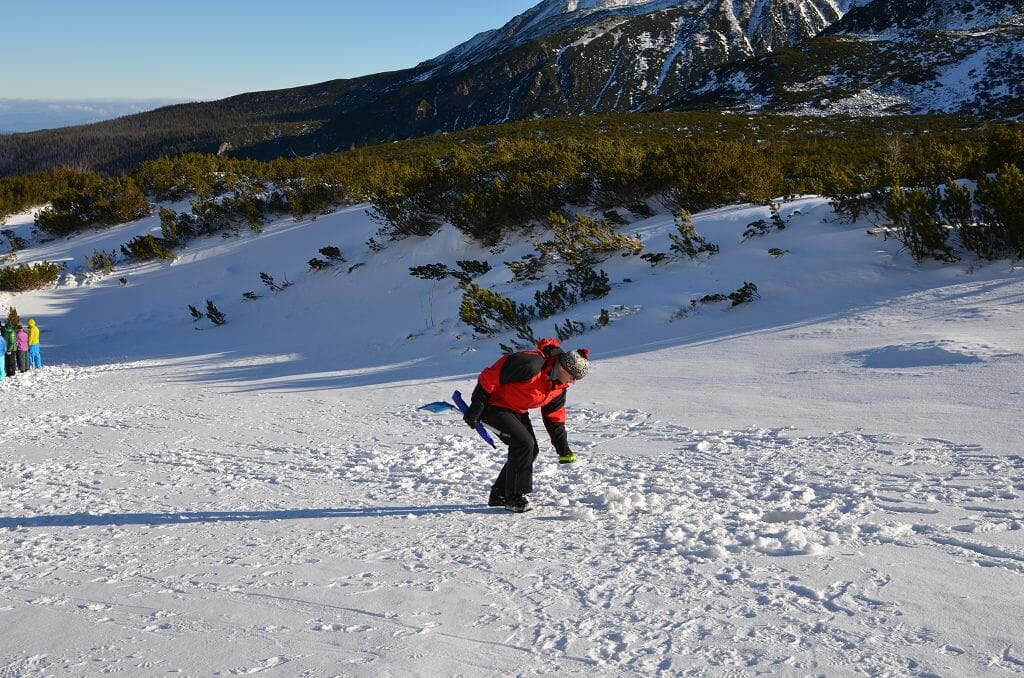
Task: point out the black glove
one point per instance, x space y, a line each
473 413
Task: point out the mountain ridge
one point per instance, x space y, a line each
885 58
576 57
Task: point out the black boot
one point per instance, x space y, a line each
496 498
518 504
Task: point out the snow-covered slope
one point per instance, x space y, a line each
759 20
546 18
828 480
618 54
927 56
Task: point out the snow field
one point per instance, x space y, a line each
826 481
665 550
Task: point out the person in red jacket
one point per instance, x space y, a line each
505 392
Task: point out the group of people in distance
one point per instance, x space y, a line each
20 348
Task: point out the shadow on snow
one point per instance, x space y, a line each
199 517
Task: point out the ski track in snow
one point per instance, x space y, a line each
288 549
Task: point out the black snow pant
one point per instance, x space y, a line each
10 363
23 361
516 476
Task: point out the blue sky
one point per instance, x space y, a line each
210 49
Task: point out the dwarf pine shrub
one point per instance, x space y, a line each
530 267
762 227
405 202
686 242
431 271
588 283
585 241
569 328
269 281
94 200
26 277
332 253
468 269
654 258
744 295
914 214
956 206
471 268
1000 201
214 314
777 221
756 228
16 241
851 207
101 261
177 229
554 299
490 313
148 247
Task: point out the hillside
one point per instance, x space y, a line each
885 58
584 58
785 486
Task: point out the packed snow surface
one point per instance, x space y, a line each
825 481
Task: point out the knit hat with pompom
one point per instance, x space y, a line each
576 363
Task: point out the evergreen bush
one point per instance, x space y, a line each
431 271
471 268
214 314
16 241
490 313
332 253
569 328
585 241
101 261
148 247
177 229
915 216
93 200
588 283
274 286
686 242
756 228
654 258
1001 207
744 295
529 268
406 201
25 277
956 207
556 298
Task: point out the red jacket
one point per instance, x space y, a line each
522 381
